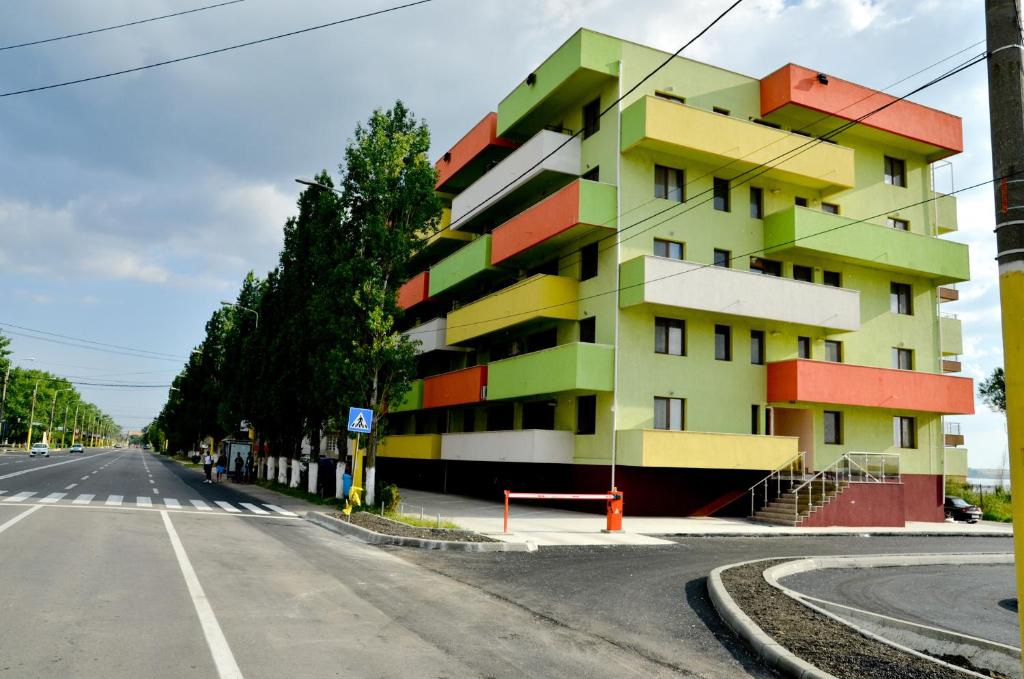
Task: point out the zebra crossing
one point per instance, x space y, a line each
144 502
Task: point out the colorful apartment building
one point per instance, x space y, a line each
693 288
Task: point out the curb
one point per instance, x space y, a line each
371 537
774 654
866 533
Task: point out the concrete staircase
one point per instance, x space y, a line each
791 509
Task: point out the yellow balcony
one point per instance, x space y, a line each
441 241
944 208
703 450
677 129
411 446
537 298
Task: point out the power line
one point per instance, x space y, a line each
90 348
215 51
93 342
111 28
763 167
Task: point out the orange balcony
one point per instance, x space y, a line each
414 291
455 388
793 94
468 159
579 209
806 381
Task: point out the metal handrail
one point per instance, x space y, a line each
953 428
776 476
842 469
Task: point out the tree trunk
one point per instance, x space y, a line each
371 448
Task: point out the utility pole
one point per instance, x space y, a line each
64 427
74 426
32 416
3 403
1006 113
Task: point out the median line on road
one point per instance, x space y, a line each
49 466
223 658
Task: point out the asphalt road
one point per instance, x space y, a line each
128 584
963 599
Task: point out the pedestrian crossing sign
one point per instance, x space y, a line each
360 420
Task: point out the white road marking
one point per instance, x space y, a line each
172 503
143 501
152 481
53 497
156 491
2 492
47 466
114 500
83 499
19 517
227 506
70 487
200 505
84 478
279 510
253 508
20 497
227 668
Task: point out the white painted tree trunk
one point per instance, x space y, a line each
371 478
314 472
271 464
296 474
282 470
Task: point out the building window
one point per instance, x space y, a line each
899 224
756 202
588 261
755 419
722 258
593 174
768 421
895 171
591 118
586 414
833 351
800 202
803 273
757 347
901 299
670 336
723 343
669 413
902 359
833 427
721 189
803 347
668 96
769 267
668 248
830 208
669 183
904 432
833 278
720 111
588 329
501 417
469 419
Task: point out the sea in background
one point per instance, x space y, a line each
987 482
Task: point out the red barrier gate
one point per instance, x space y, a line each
613 497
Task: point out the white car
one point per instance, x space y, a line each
39 449
76 448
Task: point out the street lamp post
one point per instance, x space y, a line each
74 425
224 302
3 400
53 408
64 427
32 416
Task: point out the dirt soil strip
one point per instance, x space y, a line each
821 641
386 526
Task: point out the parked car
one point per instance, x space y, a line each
960 509
40 450
76 448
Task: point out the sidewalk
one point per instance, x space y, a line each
529 522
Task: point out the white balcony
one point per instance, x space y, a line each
526 445
528 170
720 290
431 336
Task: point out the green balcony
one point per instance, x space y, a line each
578 366
952 335
464 264
576 69
413 399
803 231
945 213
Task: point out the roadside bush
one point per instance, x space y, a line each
995 504
389 498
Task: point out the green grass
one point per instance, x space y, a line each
995 505
299 493
185 462
411 520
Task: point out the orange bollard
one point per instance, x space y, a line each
614 512
506 511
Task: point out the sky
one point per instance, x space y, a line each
130 206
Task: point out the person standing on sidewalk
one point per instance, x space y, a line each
207 466
222 465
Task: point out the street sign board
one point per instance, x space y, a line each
360 420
